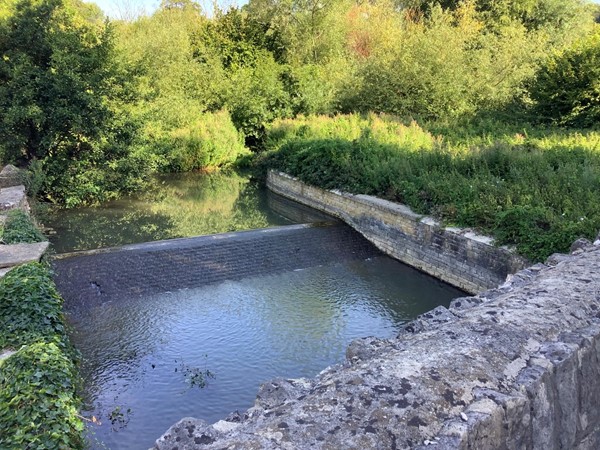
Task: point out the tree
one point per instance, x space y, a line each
54 74
558 15
59 88
566 90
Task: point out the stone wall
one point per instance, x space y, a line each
13 196
516 367
460 257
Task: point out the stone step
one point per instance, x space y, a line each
13 197
16 254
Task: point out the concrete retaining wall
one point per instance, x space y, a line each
98 276
460 257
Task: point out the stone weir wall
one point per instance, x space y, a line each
457 256
96 276
516 367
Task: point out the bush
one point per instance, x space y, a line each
210 142
537 190
38 405
566 90
19 228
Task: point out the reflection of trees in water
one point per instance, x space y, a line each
180 205
211 203
90 228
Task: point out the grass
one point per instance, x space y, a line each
536 188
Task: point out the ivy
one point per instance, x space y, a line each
38 399
38 403
19 228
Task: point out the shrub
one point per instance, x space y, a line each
566 90
19 228
210 142
537 190
38 405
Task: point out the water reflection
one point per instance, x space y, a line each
179 205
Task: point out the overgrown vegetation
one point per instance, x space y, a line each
93 108
38 401
532 188
19 228
38 407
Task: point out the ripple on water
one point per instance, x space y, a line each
204 352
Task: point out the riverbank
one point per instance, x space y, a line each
38 372
532 187
460 257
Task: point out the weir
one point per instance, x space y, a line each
515 367
97 276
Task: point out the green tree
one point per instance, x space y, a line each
558 15
54 75
566 90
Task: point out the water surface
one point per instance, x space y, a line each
178 205
204 352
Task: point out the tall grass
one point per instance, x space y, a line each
538 189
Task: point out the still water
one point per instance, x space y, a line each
178 205
203 352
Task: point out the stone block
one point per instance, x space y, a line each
16 254
13 197
10 176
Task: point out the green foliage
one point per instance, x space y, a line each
553 15
38 404
255 96
54 76
31 308
96 107
38 401
445 66
58 92
211 142
19 228
566 90
534 189
34 178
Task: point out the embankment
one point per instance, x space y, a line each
457 256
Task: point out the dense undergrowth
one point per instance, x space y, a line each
95 107
19 228
536 188
38 399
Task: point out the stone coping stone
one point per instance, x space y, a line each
15 254
12 197
5 271
515 367
10 176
